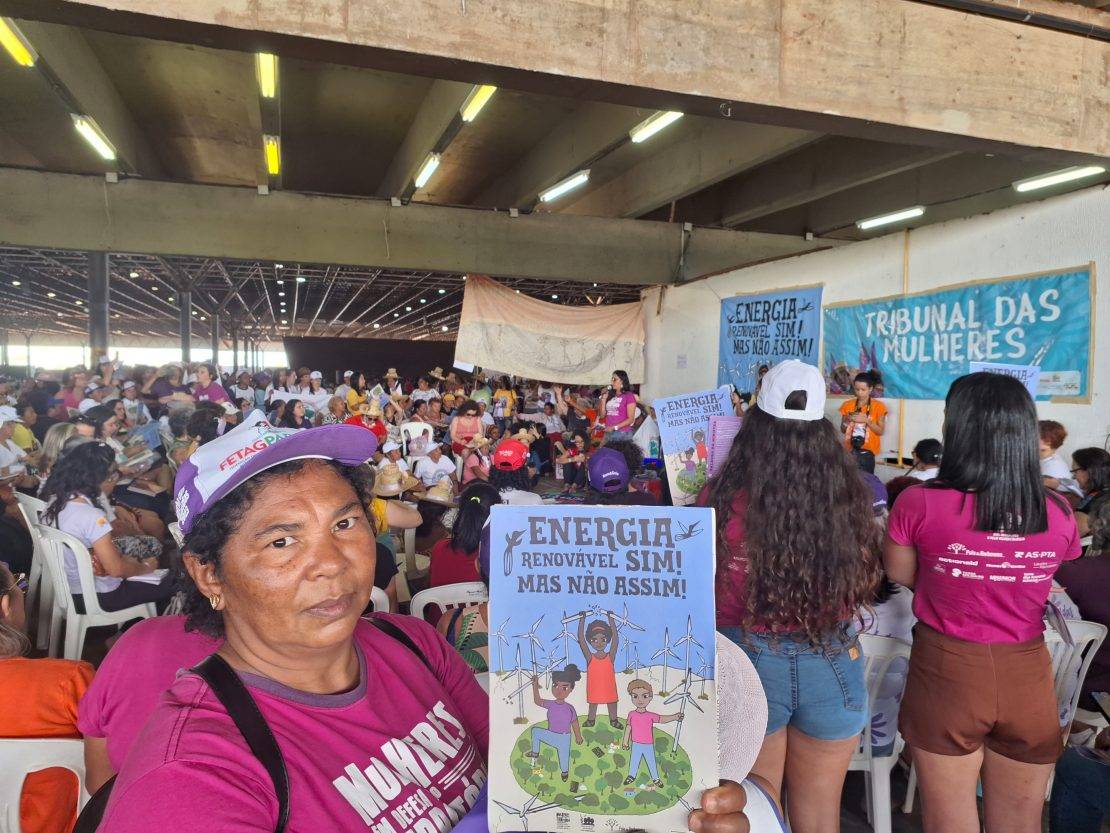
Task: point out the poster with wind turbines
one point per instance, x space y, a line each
603 700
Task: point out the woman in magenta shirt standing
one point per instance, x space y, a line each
207 388
979 545
618 406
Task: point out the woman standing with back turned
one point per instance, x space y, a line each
798 555
979 545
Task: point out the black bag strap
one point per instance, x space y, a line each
242 709
93 811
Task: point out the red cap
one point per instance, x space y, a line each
510 455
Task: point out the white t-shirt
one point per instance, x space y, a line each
11 454
238 393
1055 467
487 419
418 395
86 403
518 497
431 473
342 391
88 524
400 463
926 474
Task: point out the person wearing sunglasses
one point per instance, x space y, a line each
40 701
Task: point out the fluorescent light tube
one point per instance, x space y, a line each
16 43
477 99
887 219
569 184
267 74
426 170
271 146
1058 177
653 124
90 131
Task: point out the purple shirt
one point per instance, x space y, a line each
404 750
559 716
214 392
134 675
979 586
616 409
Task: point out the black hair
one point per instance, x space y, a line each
211 531
570 674
992 445
204 422
632 453
474 505
626 386
468 405
96 416
1096 462
79 472
929 451
179 421
288 418
867 377
516 479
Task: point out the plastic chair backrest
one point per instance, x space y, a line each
31 508
19 757
31 504
1071 663
55 542
449 595
379 600
409 430
879 652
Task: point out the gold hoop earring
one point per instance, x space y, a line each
214 601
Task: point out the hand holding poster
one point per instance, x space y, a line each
921 343
765 329
684 432
602 659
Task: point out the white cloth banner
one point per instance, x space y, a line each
316 401
538 340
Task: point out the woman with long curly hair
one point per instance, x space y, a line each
798 555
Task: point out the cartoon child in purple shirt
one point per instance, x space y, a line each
562 719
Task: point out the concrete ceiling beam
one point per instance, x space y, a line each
71 66
713 151
142 216
427 132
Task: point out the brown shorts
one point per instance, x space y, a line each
961 695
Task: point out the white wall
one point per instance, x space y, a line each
1064 231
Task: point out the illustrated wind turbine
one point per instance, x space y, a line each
629 645
622 620
636 664
551 664
528 809
682 696
703 671
499 639
565 634
520 718
688 640
533 640
663 653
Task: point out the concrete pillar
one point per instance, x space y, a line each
216 339
235 350
4 347
185 298
98 268
28 336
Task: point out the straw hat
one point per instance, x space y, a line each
391 373
373 408
443 493
523 436
391 481
437 374
477 442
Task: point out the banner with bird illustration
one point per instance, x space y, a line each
602 660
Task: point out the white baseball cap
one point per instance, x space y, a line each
348 373
315 374
127 385
390 446
785 378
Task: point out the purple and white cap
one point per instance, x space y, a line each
227 462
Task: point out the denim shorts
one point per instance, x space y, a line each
821 693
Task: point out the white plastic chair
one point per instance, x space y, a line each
77 624
40 586
1070 664
20 757
879 652
411 430
448 596
379 600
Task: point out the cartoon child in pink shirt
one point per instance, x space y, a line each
641 732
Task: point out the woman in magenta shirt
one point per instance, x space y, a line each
618 405
979 545
207 388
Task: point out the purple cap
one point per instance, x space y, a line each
227 462
608 471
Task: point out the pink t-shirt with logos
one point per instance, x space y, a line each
642 724
137 671
616 408
214 392
979 586
404 750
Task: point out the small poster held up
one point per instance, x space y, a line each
684 433
1028 376
603 700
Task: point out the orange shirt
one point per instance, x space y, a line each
875 411
40 701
